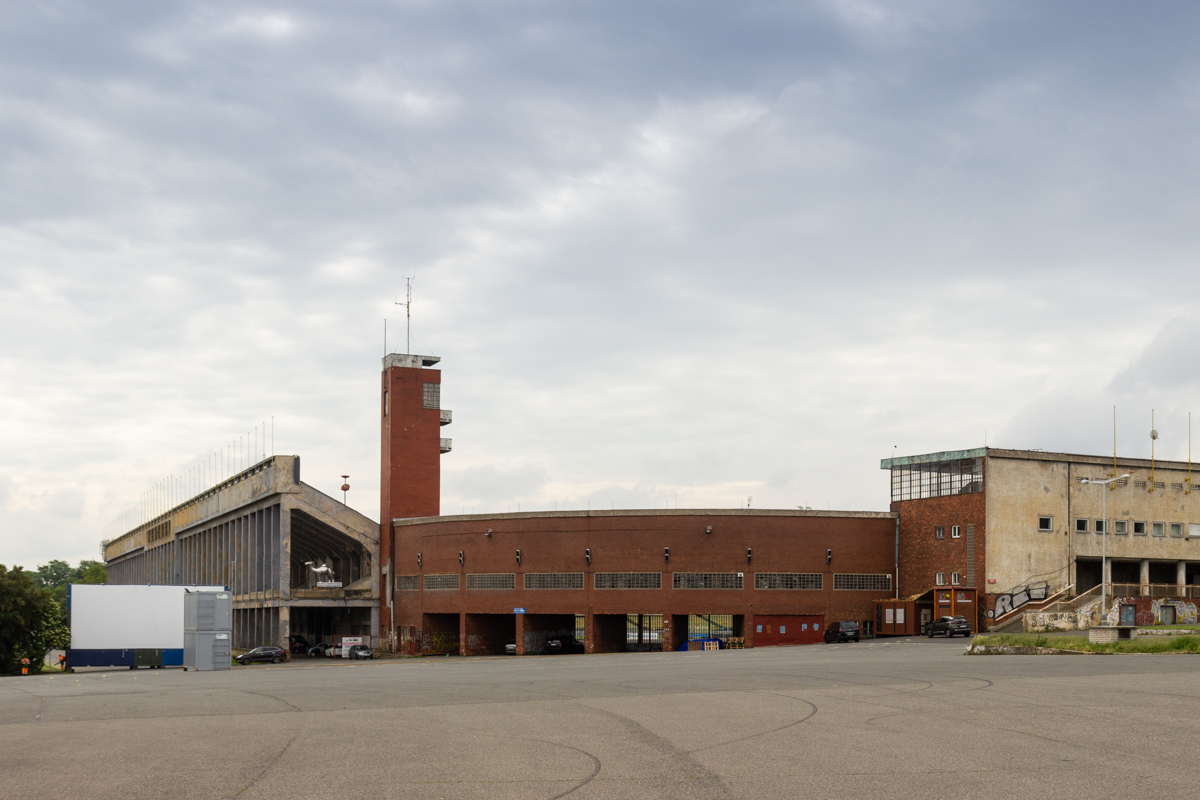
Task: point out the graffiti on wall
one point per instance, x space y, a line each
439 642
1018 598
1185 612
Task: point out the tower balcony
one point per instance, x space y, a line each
447 416
446 445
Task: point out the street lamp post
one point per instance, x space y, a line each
1104 544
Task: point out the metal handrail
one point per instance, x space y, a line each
1040 604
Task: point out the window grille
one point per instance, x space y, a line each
1159 485
553 580
710 626
431 395
707 580
439 582
937 479
627 580
788 580
850 582
491 580
1176 485
408 583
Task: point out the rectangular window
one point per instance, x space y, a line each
1045 524
1100 526
408 583
788 580
1120 527
1177 530
1194 531
1139 529
707 580
1159 485
1158 529
899 616
1176 485
939 532
850 582
385 402
441 582
887 616
627 580
953 531
954 578
553 580
937 479
1081 526
491 580
1139 484
431 395
941 579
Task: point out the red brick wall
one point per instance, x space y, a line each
634 542
410 457
922 555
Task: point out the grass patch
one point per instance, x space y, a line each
1178 627
1165 644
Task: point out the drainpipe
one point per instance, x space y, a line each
897 556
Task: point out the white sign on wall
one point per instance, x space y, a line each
348 642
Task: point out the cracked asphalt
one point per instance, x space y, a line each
901 718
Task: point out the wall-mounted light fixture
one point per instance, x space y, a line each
518 556
587 554
749 555
488 533
828 556
708 529
666 554
460 557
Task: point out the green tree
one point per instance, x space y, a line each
55 576
31 623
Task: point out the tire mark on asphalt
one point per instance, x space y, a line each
266 767
582 783
803 719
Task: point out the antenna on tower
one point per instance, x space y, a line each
408 282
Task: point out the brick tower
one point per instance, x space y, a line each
410 480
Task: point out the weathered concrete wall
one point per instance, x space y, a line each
1018 554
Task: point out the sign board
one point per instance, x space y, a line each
329 584
348 642
518 611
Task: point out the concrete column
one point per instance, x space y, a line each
589 633
1145 572
519 635
462 635
1181 572
1108 573
376 641
285 627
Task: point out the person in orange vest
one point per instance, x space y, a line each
24 666
62 661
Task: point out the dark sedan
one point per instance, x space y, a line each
269 652
563 644
949 627
842 632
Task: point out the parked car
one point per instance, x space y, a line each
510 649
298 644
360 651
842 632
319 649
949 627
270 652
563 644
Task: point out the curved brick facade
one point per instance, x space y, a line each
554 548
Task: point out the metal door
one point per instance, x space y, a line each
1128 615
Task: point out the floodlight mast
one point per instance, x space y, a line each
1104 544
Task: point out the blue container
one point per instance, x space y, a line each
172 658
101 658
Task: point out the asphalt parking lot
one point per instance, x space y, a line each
901 718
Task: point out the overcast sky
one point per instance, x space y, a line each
670 253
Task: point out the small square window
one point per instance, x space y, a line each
1158 529
941 579
1120 527
1100 525
954 578
953 531
1194 531
939 532
1045 524
1139 529
1081 526
1177 530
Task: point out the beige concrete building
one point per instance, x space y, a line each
1024 526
